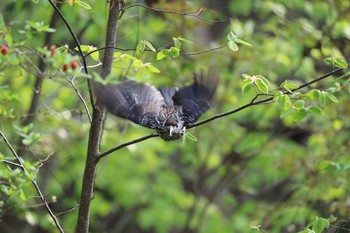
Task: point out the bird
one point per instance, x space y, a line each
167 110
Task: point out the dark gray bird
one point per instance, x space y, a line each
168 110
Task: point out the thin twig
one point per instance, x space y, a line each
157 50
81 98
33 180
75 38
103 154
252 103
190 14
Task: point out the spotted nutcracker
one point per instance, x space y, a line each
167 110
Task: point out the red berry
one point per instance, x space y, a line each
74 65
52 49
65 67
4 50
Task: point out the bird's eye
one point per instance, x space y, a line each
171 122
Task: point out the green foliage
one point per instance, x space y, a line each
268 168
259 82
233 41
317 226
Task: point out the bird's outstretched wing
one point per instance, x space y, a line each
196 98
137 102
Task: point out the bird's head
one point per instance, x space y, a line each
172 125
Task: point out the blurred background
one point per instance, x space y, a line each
248 172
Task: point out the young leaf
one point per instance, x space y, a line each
287 112
330 96
261 85
322 99
84 5
231 37
177 43
288 86
175 52
150 46
314 110
313 94
162 54
140 47
299 104
152 69
239 41
233 46
184 40
299 115
188 136
246 86
318 225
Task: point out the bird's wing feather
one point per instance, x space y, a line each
196 98
137 102
168 94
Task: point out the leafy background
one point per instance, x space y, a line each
249 172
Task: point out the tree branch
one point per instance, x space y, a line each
97 125
103 154
253 102
190 14
215 117
33 180
75 38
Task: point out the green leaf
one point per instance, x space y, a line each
337 62
152 69
175 52
150 46
289 86
89 48
322 99
313 94
325 164
287 112
188 136
162 54
184 40
239 41
140 47
299 115
330 96
285 102
246 86
84 5
233 46
262 86
137 63
231 37
314 110
318 225
299 104
177 43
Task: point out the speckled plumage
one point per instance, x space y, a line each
168 110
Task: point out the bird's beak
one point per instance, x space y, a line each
171 130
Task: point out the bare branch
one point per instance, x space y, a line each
81 98
81 54
103 154
190 14
42 197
